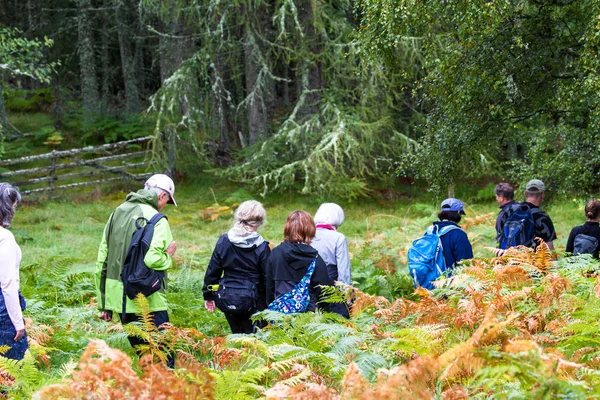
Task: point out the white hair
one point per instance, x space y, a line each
330 214
249 214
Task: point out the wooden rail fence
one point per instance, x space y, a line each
89 161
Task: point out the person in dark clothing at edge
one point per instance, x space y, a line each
242 254
505 194
534 197
290 260
456 245
590 228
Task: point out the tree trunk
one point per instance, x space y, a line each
175 47
105 58
220 106
3 117
256 106
311 66
451 190
127 62
87 61
286 84
57 106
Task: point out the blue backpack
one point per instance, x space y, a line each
426 260
298 299
519 228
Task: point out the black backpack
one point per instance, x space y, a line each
584 244
236 296
136 276
519 228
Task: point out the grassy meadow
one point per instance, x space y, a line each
59 240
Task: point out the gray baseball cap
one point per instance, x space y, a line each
534 186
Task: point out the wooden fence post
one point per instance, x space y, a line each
52 172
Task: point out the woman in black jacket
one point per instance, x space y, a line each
290 260
585 239
240 256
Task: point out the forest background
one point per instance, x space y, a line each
397 103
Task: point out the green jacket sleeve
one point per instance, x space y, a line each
156 257
100 267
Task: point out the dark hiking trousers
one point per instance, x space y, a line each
159 318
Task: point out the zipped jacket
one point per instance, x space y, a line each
246 263
287 265
115 244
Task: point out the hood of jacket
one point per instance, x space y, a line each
298 255
143 197
245 241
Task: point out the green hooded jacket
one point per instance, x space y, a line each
113 250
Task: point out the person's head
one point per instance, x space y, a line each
249 216
9 198
163 187
452 210
299 227
592 210
534 192
504 192
330 214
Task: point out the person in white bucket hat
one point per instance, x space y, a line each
158 191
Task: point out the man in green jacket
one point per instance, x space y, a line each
158 191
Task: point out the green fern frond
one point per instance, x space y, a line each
144 313
27 377
283 365
66 370
253 343
369 363
242 384
300 377
346 345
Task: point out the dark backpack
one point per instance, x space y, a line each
426 260
236 296
136 276
519 228
584 244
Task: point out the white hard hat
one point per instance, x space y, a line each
165 183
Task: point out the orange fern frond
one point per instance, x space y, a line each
363 301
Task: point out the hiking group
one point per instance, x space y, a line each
244 274
518 224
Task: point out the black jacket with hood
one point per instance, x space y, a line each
245 261
287 265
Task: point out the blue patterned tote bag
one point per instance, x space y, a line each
297 300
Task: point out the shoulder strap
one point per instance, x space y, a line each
311 268
433 229
157 217
447 229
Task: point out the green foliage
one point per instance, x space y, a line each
512 81
21 101
20 56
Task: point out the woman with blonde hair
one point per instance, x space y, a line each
237 267
294 261
12 303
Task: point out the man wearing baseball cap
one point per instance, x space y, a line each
534 196
159 190
455 243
